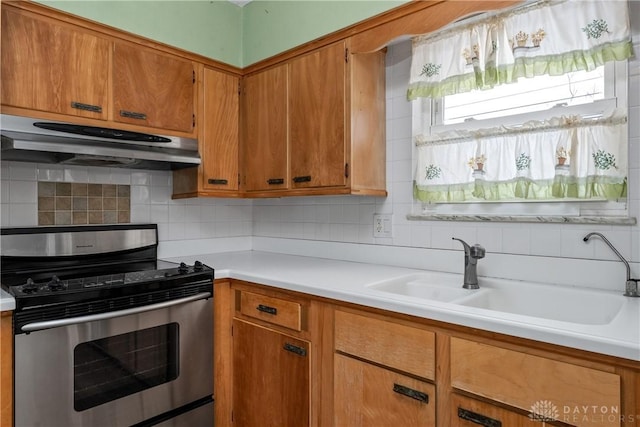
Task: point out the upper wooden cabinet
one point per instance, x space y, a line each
219 145
265 131
317 104
316 125
218 140
53 67
152 88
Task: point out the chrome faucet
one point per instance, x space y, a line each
471 256
631 285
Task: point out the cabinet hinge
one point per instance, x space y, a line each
238 179
346 54
194 120
346 170
194 76
239 89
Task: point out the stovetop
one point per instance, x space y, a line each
65 271
56 290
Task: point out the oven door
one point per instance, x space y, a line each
117 371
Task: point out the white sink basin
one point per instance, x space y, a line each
550 302
565 304
430 286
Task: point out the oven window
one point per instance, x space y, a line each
113 367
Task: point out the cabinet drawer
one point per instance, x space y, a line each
402 347
271 309
369 396
523 381
466 412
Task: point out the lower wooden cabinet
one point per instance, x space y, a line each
291 359
270 378
371 396
533 383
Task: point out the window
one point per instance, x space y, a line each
527 95
502 116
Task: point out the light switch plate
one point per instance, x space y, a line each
382 225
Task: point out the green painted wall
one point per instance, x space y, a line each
209 28
273 26
218 29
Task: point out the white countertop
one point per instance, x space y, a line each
7 302
348 282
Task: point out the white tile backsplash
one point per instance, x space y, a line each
150 201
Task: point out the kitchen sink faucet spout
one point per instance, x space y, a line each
631 285
471 256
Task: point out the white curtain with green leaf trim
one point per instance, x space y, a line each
549 37
564 157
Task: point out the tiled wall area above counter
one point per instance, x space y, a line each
150 200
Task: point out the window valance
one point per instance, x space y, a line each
560 158
551 37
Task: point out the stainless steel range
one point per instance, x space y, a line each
104 333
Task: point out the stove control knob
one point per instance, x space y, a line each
183 269
30 286
198 266
55 284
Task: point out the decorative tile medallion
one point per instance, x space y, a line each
65 203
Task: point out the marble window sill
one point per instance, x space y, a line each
550 219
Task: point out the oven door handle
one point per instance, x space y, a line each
38 326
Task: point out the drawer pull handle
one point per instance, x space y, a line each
86 107
295 349
133 115
267 309
409 392
478 418
218 181
305 178
275 181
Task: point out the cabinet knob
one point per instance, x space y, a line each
86 107
218 181
133 115
305 178
479 419
266 309
409 392
300 351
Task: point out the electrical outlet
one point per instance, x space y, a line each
382 225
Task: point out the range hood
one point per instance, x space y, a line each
44 141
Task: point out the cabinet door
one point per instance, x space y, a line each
52 67
265 135
270 378
152 88
467 412
317 118
219 145
368 396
